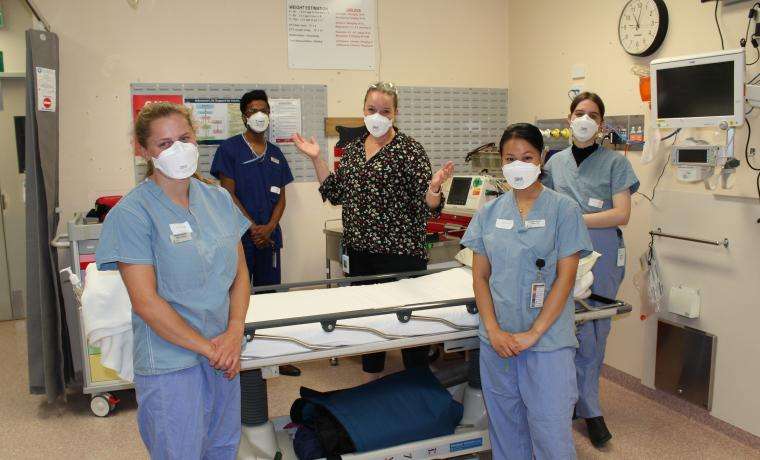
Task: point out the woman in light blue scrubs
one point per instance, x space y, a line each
526 246
176 242
601 181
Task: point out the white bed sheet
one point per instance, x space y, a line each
442 286
447 285
387 324
455 283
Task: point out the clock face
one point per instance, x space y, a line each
642 26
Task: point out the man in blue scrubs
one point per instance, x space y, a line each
255 172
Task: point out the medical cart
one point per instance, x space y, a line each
97 380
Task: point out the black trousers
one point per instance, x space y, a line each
366 264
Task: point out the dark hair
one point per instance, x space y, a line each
586 96
524 131
253 95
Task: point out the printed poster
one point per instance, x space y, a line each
332 34
284 120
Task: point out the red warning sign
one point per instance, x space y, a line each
47 102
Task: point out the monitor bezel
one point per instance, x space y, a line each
729 121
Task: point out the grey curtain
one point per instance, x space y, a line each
47 338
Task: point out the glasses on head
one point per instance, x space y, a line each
384 86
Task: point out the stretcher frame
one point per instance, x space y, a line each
466 440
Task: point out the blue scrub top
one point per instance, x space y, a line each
592 184
258 180
193 276
553 230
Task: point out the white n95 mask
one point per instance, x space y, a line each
377 125
258 122
584 128
178 161
521 175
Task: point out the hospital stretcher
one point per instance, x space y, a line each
301 323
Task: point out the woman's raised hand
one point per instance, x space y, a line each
308 147
441 176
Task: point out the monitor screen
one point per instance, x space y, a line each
460 188
698 156
705 90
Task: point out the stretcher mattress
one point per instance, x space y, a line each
442 286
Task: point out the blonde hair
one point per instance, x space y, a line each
155 111
384 87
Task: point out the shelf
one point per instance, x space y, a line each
21 75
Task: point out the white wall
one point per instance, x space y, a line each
544 43
105 46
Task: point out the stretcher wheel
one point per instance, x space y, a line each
102 404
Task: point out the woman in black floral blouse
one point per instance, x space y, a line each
388 193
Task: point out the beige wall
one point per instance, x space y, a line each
12 39
105 46
13 45
544 44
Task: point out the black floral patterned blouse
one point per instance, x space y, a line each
384 209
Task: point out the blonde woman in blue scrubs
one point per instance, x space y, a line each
176 242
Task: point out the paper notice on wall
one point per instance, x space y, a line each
284 120
332 34
211 117
46 89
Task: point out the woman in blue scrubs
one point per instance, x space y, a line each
601 181
526 246
176 242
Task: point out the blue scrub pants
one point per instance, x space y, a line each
263 263
592 335
530 401
193 413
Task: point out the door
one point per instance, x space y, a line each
12 203
6 311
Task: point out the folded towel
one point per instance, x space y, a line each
107 318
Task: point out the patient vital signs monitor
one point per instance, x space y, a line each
465 195
699 91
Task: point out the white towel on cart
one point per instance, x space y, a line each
107 317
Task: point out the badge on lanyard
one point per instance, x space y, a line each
537 223
181 232
596 203
621 257
538 288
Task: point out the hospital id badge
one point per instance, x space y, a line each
537 294
621 257
176 239
181 232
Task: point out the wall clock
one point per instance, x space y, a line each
642 26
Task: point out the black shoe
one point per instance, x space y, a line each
597 431
290 371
